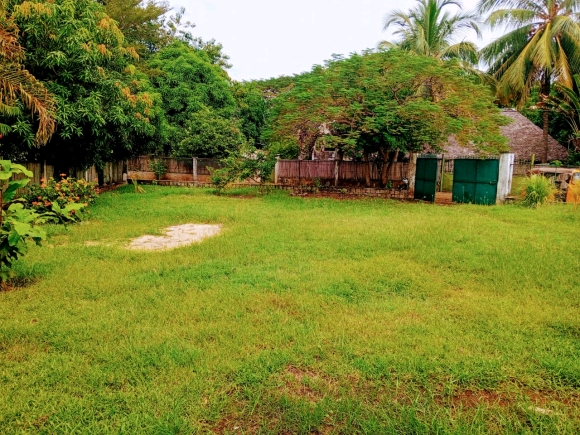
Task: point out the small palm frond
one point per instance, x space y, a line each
430 30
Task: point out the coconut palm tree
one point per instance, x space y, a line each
19 88
542 45
429 29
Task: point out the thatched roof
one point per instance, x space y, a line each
525 138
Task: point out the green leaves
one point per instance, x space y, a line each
7 169
198 100
105 108
17 224
430 30
541 45
13 186
382 102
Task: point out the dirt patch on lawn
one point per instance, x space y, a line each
175 237
305 384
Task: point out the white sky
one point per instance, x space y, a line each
269 38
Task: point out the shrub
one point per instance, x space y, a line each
158 167
537 190
247 163
17 224
63 200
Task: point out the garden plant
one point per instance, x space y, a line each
18 225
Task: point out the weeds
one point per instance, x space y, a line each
537 190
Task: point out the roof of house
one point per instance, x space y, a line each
524 138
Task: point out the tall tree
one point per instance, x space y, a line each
194 91
142 22
385 103
542 45
105 109
432 30
20 88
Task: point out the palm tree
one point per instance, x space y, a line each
430 30
19 87
542 45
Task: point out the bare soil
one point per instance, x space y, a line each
175 237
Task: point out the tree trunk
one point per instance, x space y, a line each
393 157
385 166
545 115
368 169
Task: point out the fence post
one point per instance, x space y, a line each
299 175
412 173
195 169
442 175
506 171
336 163
277 169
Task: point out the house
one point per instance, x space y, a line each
524 138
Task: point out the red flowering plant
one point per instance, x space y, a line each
65 200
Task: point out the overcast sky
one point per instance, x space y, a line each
269 38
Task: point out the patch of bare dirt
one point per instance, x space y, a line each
472 399
339 196
175 237
306 384
541 400
17 283
444 198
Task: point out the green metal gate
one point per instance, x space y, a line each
475 181
426 178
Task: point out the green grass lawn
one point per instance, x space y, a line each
304 316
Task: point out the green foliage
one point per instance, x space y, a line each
61 201
430 30
541 44
248 163
574 157
158 167
286 150
251 110
20 90
194 90
537 190
206 134
559 123
142 23
17 224
105 108
383 102
565 105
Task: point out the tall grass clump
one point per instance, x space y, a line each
537 190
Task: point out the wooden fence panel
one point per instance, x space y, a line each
348 171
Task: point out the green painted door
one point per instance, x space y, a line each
475 181
426 178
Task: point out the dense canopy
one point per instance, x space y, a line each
90 81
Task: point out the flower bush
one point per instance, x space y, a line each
66 199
